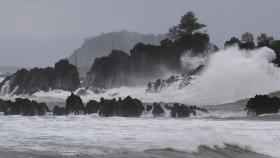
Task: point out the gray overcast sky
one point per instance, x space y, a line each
40 32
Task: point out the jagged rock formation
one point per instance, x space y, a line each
92 107
157 110
23 107
63 76
181 110
178 81
134 108
262 104
145 62
103 44
110 71
128 107
59 111
74 104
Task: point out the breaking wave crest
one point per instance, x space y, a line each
90 135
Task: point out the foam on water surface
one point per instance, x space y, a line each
72 135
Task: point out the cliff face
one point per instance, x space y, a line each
63 76
102 45
145 62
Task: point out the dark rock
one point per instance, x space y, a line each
108 107
145 62
59 111
63 76
25 107
168 107
181 110
126 108
92 107
157 110
262 104
74 104
110 71
149 107
130 107
4 105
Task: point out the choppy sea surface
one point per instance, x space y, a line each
92 136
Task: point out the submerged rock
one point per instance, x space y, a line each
262 104
25 107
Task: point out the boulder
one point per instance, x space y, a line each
65 76
59 111
74 104
262 104
25 107
157 110
180 110
92 107
4 105
108 107
128 107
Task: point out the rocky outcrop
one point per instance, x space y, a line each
262 104
63 76
145 62
111 71
181 110
74 105
59 111
178 81
4 104
92 107
157 110
128 107
24 107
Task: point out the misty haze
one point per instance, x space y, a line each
131 78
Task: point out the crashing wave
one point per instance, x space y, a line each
177 82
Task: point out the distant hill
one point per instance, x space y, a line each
103 44
8 69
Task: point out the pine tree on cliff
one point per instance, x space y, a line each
188 25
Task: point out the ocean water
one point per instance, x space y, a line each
225 132
92 136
